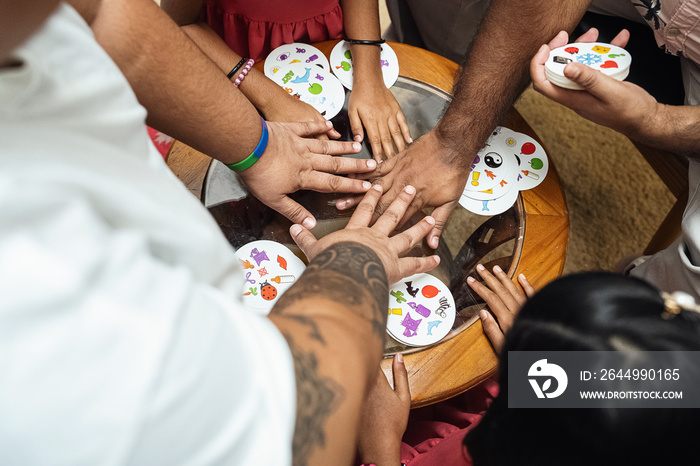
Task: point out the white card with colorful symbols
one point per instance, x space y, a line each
421 310
297 52
312 85
341 63
509 163
607 58
269 269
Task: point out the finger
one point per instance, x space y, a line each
342 165
561 39
412 265
348 202
494 302
440 214
310 128
390 218
566 97
356 126
375 140
332 147
409 238
497 287
492 331
365 209
401 388
325 183
529 290
401 120
508 284
592 80
304 239
589 36
387 141
294 212
322 137
621 38
333 133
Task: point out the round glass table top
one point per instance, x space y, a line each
468 239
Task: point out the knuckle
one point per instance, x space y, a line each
334 183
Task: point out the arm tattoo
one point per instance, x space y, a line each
317 398
348 273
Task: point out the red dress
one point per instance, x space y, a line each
253 28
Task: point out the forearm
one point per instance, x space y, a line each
672 128
334 319
166 71
495 71
361 21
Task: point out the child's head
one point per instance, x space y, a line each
590 312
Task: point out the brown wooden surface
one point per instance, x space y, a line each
463 361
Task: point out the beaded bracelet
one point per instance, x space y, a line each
244 72
365 42
235 69
255 155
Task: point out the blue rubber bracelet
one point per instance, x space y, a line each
255 155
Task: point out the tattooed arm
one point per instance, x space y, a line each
334 320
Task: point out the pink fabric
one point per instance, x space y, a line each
676 25
435 433
254 28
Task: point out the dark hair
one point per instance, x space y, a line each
591 312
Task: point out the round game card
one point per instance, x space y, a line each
270 269
531 159
421 310
312 85
608 59
294 53
341 64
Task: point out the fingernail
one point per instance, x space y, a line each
399 358
434 241
366 184
356 146
497 269
294 230
377 187
410 140
480 268
358 138
371 164
522 277
483 315
470 279
309 222
410 189
340 204
430 220
329 124
437 259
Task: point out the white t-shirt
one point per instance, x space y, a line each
122 339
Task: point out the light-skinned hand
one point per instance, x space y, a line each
293 161
503 298
377 236
290 109
384 417
622 106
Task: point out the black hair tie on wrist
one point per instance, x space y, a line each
365 42
236 68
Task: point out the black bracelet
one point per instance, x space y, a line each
365 42
236 68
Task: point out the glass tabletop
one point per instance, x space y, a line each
468 238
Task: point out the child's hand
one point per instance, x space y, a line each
373 106
504 299
384 417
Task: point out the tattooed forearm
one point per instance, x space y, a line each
347 273
317 398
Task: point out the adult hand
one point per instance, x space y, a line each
292 162
377 237
384 417
373 106
288 109
439 182
622 106
504 299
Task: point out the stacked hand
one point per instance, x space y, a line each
622 106
504 299
289 109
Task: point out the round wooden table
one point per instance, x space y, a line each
458 363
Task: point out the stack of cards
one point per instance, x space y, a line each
341 64
509 163
606 58
302 71
270 269
421 310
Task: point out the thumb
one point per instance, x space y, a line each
309 128
400 378
294 212
304 239
591 80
